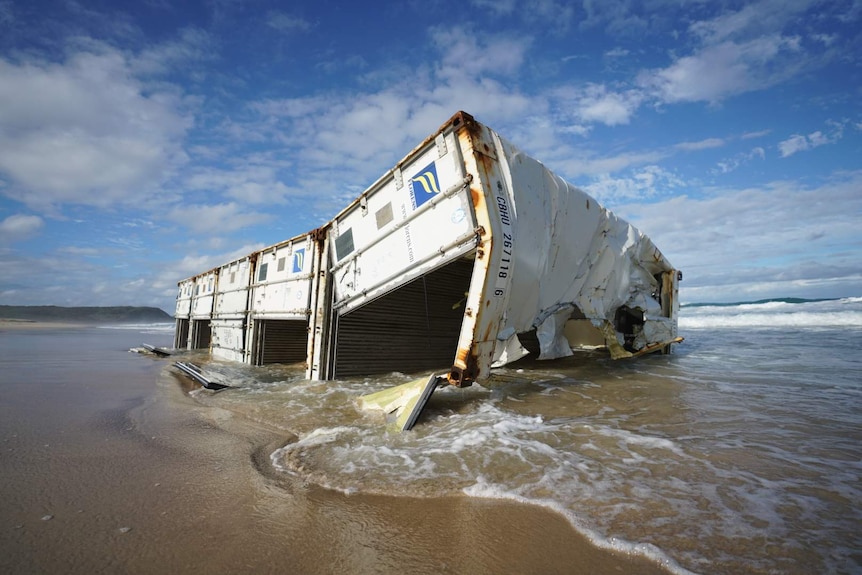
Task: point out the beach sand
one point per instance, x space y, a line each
7 324
115 468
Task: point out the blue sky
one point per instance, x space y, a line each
144 142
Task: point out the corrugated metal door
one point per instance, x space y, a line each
281 341
201 334
412 328
181 339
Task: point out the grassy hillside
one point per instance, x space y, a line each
121 314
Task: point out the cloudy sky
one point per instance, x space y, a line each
144 142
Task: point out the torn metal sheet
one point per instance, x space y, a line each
195 372
564 257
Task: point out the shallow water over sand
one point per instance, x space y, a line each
739 453
109 465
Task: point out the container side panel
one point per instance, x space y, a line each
283 281
231 296
396 234
184 299
227 339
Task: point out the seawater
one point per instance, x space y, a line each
739 453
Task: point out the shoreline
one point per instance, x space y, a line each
116 468
464 533
13 324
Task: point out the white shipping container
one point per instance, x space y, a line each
230 310
469 252
280 304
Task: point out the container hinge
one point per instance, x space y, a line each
440 140
399 178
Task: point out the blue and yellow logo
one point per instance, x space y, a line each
298 260
424 185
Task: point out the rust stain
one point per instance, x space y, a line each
487 335
475 196
461 356
471 126
486 161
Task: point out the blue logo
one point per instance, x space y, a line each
298 260
424 185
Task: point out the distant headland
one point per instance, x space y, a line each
88 315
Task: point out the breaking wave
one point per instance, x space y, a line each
777 313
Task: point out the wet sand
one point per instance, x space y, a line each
7 324
109 466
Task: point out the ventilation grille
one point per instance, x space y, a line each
201 334
281 341
181 339
413 328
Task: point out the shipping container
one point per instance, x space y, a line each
201 310
282 293
230 309
183 311
469 253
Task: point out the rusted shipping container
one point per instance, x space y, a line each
465 255
469 253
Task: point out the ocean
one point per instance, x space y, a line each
741 452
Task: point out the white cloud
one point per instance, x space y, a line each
619 18
728 165
597 104
753 135
497 7
192 45
721 247
19 227
753 19
616 53
85 131
471 54
800 143
250 184
167 276
701 145
792 145
647 182
825 39
722 70
216 218
287 23
557 13
80 251
360 134
594 104
7 12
